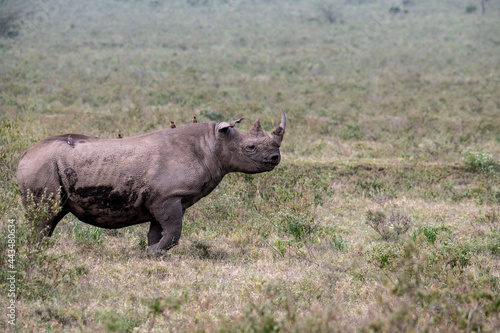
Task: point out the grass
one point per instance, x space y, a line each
393 122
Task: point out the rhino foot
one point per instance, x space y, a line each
153 252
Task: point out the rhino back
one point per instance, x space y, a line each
37 167
111 182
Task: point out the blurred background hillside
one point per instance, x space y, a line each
399 78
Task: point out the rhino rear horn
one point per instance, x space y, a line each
280 130
256 128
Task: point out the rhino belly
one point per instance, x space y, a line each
105 207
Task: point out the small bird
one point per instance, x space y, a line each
70 141
119 136
194 121
172 125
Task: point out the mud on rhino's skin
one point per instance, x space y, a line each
115 183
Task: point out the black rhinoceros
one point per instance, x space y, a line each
115 183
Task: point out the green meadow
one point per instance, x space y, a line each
383 216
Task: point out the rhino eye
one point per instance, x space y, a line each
251 147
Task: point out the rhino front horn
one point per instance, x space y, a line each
280 130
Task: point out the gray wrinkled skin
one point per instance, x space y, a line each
115 183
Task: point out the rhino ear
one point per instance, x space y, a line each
225 126
236 121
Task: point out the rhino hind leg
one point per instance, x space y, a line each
48 227
166 227
45 228
39 185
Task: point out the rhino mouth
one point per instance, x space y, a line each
275 158
273 161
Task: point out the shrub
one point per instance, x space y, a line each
9 20
338 243
371 188
385 255
298 228
40 270
493 244
203 248
196 3
162 306
470 9
117 322
352 131
450 299
429 233
394 10
299 225
329 14
87 235
281 246
389 227
477 161
452 255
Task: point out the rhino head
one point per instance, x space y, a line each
251 152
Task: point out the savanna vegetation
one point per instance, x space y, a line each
382 217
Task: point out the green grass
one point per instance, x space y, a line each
393 118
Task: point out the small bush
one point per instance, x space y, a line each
352 131
385 255
299 228
281 246
196 3
394 10
40 271
375 189
452 300
477 161
375 219
9 21
40 209
453 255
116 322
202 248
470 9
163 306
298 225
332 237
429 233
329 14
87 234
389 227
493 244
339 243
143 244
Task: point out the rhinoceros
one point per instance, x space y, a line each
155 177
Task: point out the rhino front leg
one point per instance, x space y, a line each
165 230
154 234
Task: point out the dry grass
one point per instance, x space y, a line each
389 113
